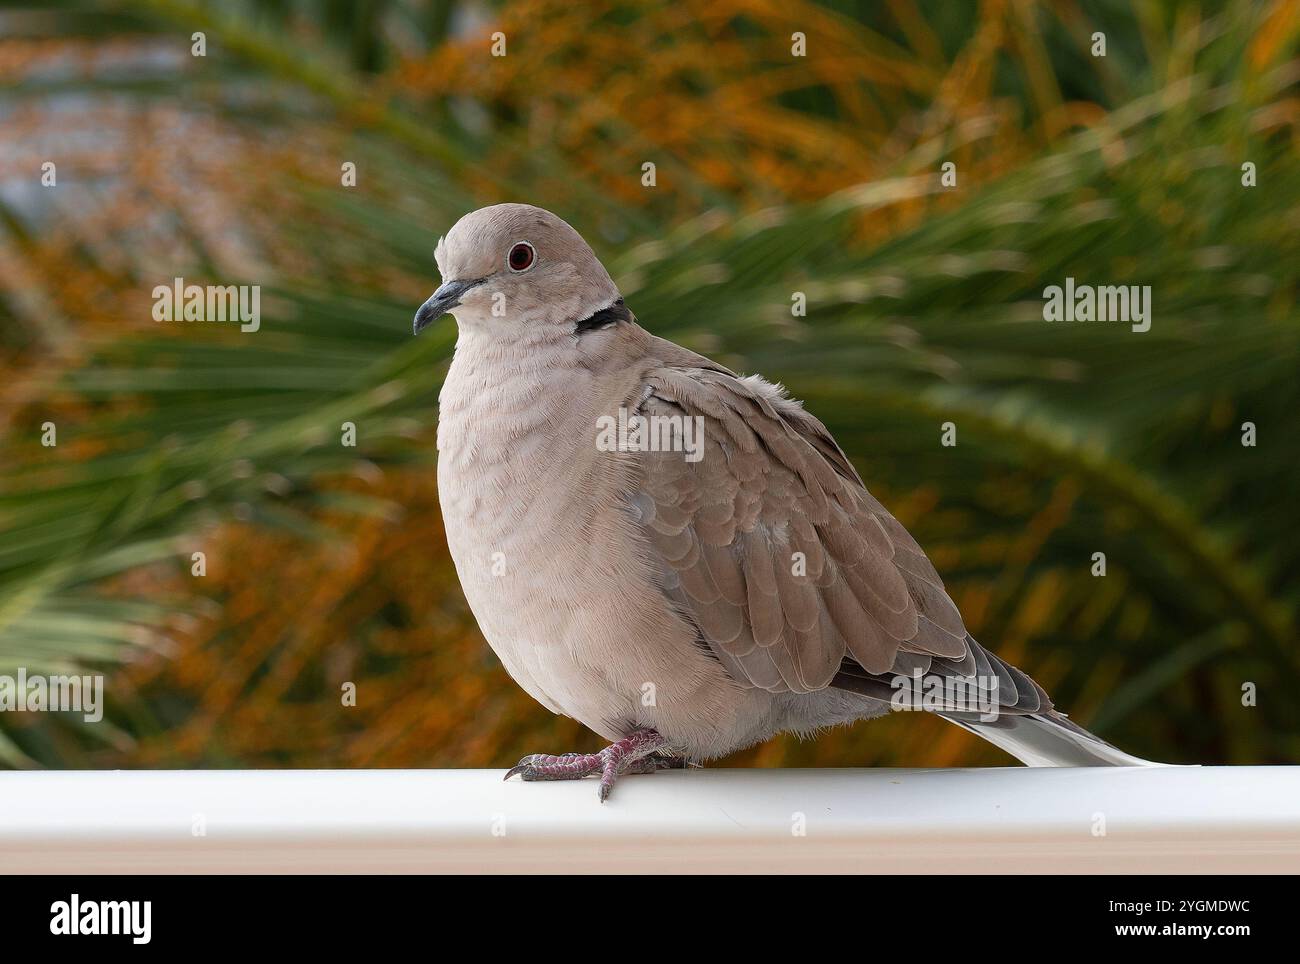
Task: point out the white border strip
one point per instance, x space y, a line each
1160 820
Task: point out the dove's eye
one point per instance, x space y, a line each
521 256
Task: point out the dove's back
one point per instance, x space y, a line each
719 600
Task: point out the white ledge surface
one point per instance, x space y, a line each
1158 820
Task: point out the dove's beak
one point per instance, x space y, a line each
442 301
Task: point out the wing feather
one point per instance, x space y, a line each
794 575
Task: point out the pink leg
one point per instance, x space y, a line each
635 753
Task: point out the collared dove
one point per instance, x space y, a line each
680 558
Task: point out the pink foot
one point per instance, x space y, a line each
635 753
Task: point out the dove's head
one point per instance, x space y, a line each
512 265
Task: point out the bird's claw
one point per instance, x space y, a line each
632 754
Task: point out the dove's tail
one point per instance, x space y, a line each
1050 740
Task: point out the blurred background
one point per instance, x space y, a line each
775 173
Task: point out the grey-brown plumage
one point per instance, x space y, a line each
752 587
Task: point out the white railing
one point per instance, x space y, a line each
1201 820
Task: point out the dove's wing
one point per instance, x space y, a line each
795 576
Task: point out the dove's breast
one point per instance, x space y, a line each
547 553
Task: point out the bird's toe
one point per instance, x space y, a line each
547 766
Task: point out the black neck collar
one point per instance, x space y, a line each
604 318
